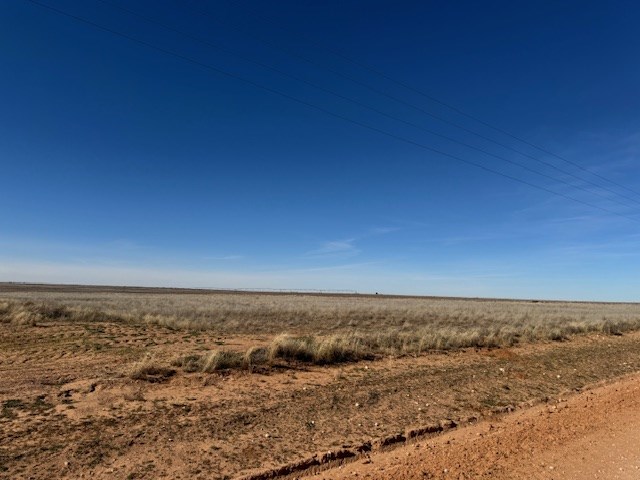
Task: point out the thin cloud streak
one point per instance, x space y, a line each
335 249
346 248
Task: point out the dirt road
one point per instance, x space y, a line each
591 435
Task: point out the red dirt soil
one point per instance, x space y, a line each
592 435
68 408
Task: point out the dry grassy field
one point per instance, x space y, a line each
357 324
156 383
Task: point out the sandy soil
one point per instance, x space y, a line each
592 435
69 410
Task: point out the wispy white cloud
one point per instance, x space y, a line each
332 268
609 153
347 247
619 247
335 248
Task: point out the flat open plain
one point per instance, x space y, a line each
94 382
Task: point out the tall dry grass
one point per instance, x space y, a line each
329 329
31 313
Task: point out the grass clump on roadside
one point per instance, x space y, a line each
255 357
150 370
32 313
284 348
353 347
318 350
219 360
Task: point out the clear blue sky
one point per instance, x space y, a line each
121 164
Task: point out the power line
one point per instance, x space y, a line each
415 107
422 110
407 86
322 109
356 102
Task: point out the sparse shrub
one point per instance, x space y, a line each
288 347
46 311
618 327
189 363
31 313
150 370
335 349
327 350
557 335
5 312
95 315
255 356
24 316
221 360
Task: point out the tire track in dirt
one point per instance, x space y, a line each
224 425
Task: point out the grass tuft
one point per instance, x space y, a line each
288 347
150 370
221 360
254 357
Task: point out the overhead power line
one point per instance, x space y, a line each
372 69
322 109
411 105
357 102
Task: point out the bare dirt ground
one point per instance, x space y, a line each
592 435
68 409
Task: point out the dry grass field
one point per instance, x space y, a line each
306 325
151 383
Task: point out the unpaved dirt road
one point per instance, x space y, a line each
591 435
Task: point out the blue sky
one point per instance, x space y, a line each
125 165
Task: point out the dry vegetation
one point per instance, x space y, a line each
325 329
199 385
